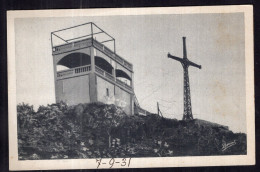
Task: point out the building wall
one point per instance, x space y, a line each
123 100
73 90
91 87
103 87
116 95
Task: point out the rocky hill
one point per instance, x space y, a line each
97 130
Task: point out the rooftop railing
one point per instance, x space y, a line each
87 43
86 39
112 55
71 46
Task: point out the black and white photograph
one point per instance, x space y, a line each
131 88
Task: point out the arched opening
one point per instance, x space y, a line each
73 60
103 64
123 76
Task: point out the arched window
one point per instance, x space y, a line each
73 60
123 76
103 64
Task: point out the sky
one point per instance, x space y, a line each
214 41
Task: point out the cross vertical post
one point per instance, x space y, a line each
187 114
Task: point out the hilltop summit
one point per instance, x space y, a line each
98 130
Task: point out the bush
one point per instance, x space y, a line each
95 130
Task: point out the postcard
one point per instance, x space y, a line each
131 87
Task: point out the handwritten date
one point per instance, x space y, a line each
112 162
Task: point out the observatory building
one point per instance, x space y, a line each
87 68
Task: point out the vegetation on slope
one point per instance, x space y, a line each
97 130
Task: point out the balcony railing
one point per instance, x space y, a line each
128 86
87 43
109 76
99 70
119 59
112 55
109 52
123 84
64 73
104 73
112 78
83 70
73 72
98 45
120 82
61 48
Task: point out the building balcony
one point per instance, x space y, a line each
85 43
85 70
78 71
112 79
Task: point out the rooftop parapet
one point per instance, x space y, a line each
64 41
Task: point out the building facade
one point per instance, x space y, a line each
85 71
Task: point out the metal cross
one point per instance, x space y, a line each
187 115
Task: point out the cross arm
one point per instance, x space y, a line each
175 58
194 64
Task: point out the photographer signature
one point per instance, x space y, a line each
225 145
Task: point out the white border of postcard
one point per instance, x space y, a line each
249 159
